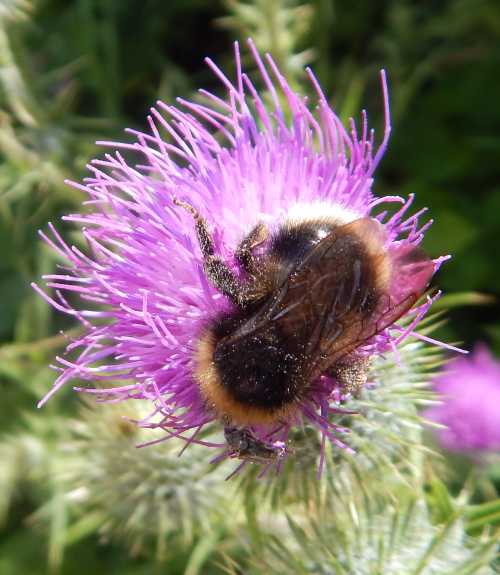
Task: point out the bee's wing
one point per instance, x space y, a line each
348 289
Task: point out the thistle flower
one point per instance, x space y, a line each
470 408
139 288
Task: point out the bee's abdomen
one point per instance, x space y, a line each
262 371
256 380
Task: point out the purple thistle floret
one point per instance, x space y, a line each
139 289
469 390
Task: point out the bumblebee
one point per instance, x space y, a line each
312 293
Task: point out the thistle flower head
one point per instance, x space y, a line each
139 287
469 390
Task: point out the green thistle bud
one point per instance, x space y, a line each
362 538
146 496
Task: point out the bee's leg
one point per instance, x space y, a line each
244 252
216 269
351 373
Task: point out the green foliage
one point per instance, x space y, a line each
276 26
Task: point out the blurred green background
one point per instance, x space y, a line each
75 71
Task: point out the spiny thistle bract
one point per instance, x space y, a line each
367 537
138 287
